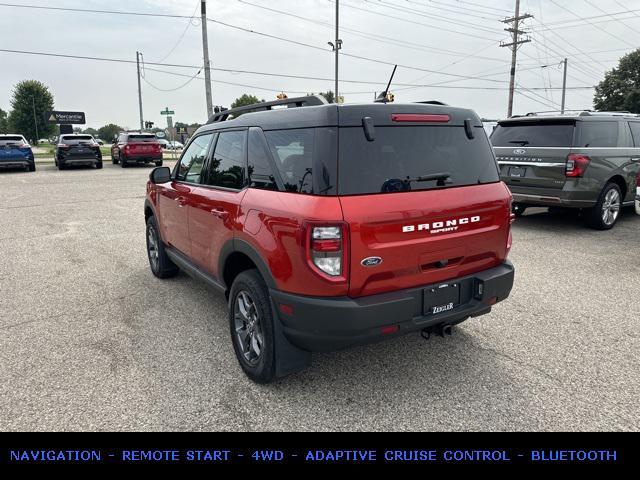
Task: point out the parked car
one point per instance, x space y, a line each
99 141
15 152
136 147
589 161
175 146
164 143
75 150
330 226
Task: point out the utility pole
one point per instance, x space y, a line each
138 54
564 84
207 61
514 45
35 119
336 48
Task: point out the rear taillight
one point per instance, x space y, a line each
576 165
326 247
63 146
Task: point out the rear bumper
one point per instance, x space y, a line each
552 197
322 324
80 160
16 163
141 159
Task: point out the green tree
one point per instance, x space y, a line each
620 89
31 100
109 132
244 101
90 131
4 122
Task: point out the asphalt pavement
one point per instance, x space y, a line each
90 340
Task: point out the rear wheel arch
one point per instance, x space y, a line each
237 256
620 181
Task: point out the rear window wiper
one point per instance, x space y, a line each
398 185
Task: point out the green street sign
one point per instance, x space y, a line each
167 112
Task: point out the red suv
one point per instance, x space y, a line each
330 226
136 147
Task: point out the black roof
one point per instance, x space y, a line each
332 115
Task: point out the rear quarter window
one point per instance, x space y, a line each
533 134
597 135
399 156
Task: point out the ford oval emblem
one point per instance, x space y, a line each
371 262
520 151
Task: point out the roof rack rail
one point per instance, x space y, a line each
581 113
433 102
310 101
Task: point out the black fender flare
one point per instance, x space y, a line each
241 246
148 204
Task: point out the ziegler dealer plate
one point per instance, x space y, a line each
442 298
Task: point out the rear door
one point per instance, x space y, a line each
215 202
533 153
408 230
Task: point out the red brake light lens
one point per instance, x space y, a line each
326 250
419 118
576 165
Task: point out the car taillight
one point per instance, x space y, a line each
414 117
576 165
327 250
63 146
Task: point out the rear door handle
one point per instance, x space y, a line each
220 213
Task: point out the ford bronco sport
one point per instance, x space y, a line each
589 161
330 226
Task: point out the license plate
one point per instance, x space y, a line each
517 172
442 298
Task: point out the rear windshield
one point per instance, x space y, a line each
400 157
77 140
142 138
11 140
533 134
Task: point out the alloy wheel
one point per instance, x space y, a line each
248 328
611 207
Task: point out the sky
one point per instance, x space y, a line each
447 50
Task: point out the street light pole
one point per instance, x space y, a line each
138 54
207 61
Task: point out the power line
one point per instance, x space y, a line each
191 79
611 16
371 36
467 34
590 23
184 33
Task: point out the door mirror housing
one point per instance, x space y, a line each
160 175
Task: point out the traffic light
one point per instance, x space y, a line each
282 96
149 125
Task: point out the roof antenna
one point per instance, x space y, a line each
382 98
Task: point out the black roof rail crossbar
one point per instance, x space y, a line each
433 102
309 101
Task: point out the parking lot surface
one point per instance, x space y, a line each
90 340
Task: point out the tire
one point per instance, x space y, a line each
114 161
99 165
123 163
159 164
518 209
606 212
32 168
253 343
160 263
61 166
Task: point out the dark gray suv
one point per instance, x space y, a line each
589 161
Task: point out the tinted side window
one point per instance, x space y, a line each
227 167
635 130
533 134
259 170
597 134
190 166
293 153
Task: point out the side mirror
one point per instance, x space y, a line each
160 175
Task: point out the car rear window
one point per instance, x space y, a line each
11 140
76 140
533 134
399 156
142 138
